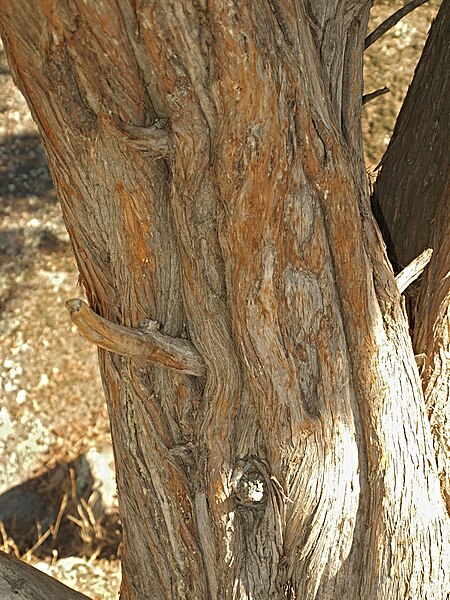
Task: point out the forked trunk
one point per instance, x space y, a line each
208 161
412 202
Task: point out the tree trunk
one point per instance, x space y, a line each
411 198
209 165
413 179
432 346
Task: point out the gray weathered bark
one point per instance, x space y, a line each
301 465
20 581
411 196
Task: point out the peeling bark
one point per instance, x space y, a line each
432 342
284 472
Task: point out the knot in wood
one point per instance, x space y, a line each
250 484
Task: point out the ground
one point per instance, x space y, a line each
55 450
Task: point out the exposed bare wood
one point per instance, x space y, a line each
414 270
391 21
146 343
21 581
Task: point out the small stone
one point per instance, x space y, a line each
43 380
21 396
33 223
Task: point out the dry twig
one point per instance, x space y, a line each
368 97
391 21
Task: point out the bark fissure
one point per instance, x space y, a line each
413 212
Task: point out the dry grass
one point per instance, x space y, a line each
94 533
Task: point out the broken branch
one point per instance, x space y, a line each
391 22
413 270
149 344
368 97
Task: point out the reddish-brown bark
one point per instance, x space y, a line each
283 472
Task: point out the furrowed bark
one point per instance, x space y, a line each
115 201
337 31
411 185
432 339
284 473
411 197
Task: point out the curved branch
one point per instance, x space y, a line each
21 581
391 22
142 344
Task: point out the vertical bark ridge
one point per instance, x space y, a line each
183 96
251 229
339 30
241 227
380 335
411 204
116 207
432 343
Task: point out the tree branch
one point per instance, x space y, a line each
391 21
368 97
21 581
413 270
153 141
142 344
